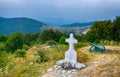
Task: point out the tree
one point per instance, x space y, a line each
14 42
30 38
3 38
116 29
100 31
47 35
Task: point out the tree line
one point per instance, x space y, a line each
104 30
18 40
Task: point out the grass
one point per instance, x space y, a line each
28 67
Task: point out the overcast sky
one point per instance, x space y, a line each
60 10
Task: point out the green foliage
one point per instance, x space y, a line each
104 30
50 42
47 35
92 36
3 61
116 29
31 38
2 46
14 42
3 38
25 47
101 30
20 53
41 56
78 37
62 40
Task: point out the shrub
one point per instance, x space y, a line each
41 56
14 42
25 47
47 35
62 40
3 61
3 38
50 42
20 53
2 48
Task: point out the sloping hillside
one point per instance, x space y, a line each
98 65
23 25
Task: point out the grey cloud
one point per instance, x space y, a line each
78 10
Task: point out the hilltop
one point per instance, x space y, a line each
22 24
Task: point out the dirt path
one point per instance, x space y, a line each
97 60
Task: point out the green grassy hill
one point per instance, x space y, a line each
23 25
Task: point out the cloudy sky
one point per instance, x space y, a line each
62 11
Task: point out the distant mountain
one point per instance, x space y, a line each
27 25
78 24
23 25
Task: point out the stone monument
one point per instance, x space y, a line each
71 55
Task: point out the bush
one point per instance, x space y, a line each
20 53
3 38
25 47
2 47
3 61
47 35
41 56
14 42
51 42
62 40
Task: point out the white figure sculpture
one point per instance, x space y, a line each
71 55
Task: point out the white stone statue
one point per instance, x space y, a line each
71 55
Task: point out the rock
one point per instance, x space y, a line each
55 66
62 75
49 69
60 62
79 65
63 71
31 63
59 71
74 70
68 72
59 66
69 76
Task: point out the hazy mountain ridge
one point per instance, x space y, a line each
27 25
78 24
23 25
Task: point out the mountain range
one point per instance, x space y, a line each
28 25
78 24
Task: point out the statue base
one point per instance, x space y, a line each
76 65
